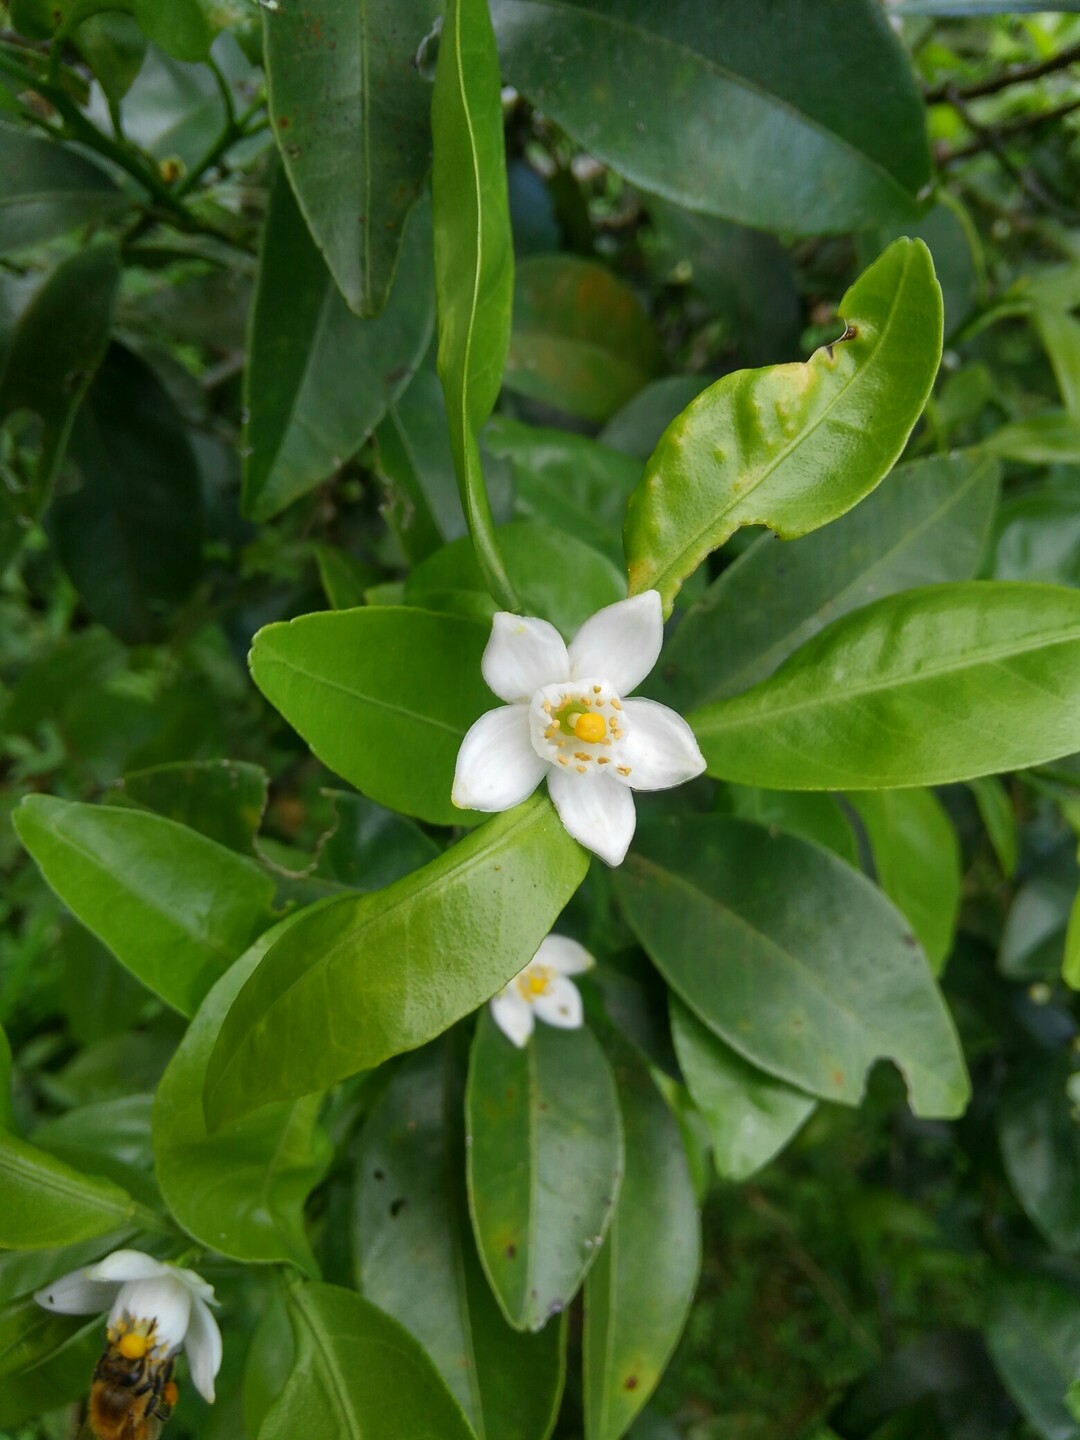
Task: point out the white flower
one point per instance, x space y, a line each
567 717
151 1302
542 988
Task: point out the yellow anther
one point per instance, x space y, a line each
133 1346
623 769
596 689
616 705
581 770
603 759
171 1393
582 755
590 728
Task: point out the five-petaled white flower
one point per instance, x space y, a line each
154 1309
542 989
567 717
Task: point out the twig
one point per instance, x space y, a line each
1007 129
1015 76
991 140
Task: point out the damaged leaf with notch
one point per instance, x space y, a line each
792 446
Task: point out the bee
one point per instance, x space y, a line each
132 1395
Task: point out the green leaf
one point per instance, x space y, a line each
7 1111
538 561
109 1138
1052 438
344 578
383 697
358 1375
373 975
173 907
47 190
917 860
22 1271
928 522
822 126
1033 1335
370 847
416 1258
56 347
938 684
1060 334
44 1202
181 28
637 427
415 462
320 379
995 808
130 536
793 958
350 112
792 446
242 1190
114 47
638 1293
1040 1145
815 817
545 1157
581 340
568 481
221 799
751 1115
474 257
45 1360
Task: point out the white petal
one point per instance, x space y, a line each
165 1300
497 766
594 810
564 955
523 654
195 1283
561 1005
123 1265
203 1347
659 750
621 642
76 1294
513 1015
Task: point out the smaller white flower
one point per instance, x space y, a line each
567 720
542 989
155 1308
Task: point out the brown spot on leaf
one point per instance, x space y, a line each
630 1383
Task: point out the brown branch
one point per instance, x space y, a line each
1007 129
1017 75
991 140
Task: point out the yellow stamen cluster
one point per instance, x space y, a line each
535 981
580 717
133 1345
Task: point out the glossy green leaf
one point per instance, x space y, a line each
174 908
350 111
792 446
793 958
545 1157
130 535
182 28
109 1138
56 347
221 799
1040 1144
474 257
100 998
358 1375
370 847
7 1113
568 481
344 578
999 817
45 1360
47 190
1033 1334
373 975
861 706
927 522
1033 936
320 379
581 340
1037 537
916 856
1060 334
538 560
638 1293
114 47
821 121
242 1190
383 697
416 1259
44 1202
751 1115
416 465
818 818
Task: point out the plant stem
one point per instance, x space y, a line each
1018 75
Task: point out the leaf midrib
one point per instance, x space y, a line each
374 701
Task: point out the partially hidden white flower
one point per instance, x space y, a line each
543 990
154 1309
567 718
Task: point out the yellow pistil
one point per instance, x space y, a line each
133 1346
590 727
535 981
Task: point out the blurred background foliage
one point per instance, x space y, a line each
160 505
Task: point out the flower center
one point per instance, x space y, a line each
578 726
590 726
536 981
133 1346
